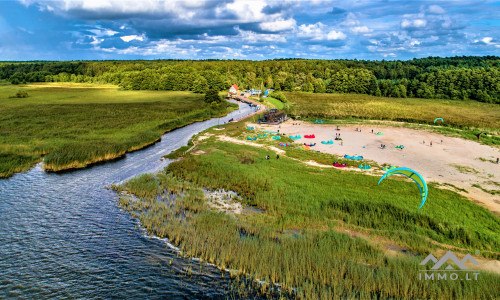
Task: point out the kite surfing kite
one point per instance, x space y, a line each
413 176
442 121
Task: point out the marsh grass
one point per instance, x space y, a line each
74 126
294 241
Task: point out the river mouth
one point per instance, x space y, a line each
63 236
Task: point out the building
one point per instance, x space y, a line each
234 90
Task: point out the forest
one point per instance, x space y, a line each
456 78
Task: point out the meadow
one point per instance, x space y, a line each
461 118
318 233
75 125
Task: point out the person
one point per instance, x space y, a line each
341 143
277 156
424 142
372 130
267 156
497 160
441 141
431 143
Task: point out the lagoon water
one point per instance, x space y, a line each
63 235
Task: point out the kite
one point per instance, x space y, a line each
442 121
413 176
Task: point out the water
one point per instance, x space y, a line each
63 235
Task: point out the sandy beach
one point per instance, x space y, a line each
455 161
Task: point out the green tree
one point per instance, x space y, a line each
212 96
200 85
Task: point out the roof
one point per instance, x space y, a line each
235 87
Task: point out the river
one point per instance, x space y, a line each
62 235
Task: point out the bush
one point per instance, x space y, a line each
20 94
212 96
278 96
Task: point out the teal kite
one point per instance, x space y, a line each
442 121
413 176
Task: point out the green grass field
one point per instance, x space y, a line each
74 125
278 104
461 118
290 232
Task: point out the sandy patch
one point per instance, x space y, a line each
224 201
438 162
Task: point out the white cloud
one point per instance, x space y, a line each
350 20
487 40
336 35
416 23
103 32
319 31
278 25
436 9
360 29
128 38
312 31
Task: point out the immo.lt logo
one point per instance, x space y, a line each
442 270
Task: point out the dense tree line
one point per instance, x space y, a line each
466 77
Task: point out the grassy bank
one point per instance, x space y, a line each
293 231
465 118
74 125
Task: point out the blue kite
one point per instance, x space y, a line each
419 180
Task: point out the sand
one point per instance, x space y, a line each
455 161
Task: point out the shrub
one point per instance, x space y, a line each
280 96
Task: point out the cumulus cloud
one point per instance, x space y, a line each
262 28
436 9
318 32
278 25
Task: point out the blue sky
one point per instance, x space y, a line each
242 29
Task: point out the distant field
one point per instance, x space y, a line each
456 113
74 125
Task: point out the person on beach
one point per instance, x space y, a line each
424 142
372 130
341 143
497 160
441 141
431 143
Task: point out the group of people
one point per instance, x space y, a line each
382 146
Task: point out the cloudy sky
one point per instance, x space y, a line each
246 29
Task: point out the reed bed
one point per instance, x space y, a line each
74 126
294 241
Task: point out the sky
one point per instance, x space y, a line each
246 29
